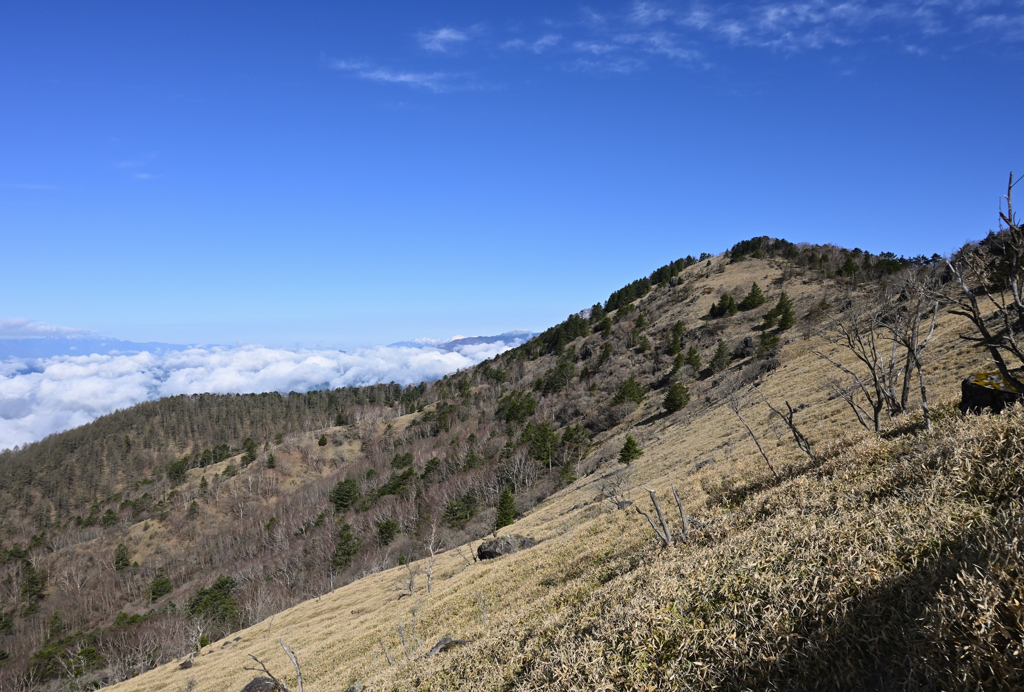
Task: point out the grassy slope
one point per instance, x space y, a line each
854 573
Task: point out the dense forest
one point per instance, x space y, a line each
154 530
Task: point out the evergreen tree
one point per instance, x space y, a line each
346 548
644 344
630 451
160 586
753 299
344 494
204 485
678 396
767 343
387 530
506 510
722 358
251 449
322 441
122 558
271 463
693 358
675 343
782 315
787 316
726 306
630 390
109 518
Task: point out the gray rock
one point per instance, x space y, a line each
701 464
445 644
358 687
504 545
262 684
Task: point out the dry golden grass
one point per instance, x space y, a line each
894 562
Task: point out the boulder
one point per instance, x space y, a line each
262 684
986 390
504 545
445 644
358 687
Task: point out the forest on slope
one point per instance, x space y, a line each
138 537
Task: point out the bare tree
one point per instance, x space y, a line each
992 275
736 404
665 533
860 330
801 440
292 656
911 321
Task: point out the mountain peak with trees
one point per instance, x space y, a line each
775 392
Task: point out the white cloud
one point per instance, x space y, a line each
42 397
442 39
434 81
545 42
21 328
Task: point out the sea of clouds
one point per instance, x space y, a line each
43 396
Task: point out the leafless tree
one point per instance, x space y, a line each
801 440
665 533
859 329
736 404
292 657
990 277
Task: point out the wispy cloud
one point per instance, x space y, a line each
641 33
538 46
21 328
433 81
442 40
545 42
42 397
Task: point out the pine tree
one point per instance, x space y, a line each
630 390
346 548
387 530
720 361
726 306
787 316
693 358
678 396
506 510
630 451
122 558
753 299
322 441
344 494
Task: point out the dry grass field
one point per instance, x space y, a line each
891 561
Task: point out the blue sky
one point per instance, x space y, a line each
350 174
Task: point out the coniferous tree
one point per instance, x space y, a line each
344 495
678 396
753 299
346 548
122 558
767 343
630 451
693 358
675 343
506 510
160 586
322 441
726 306
387 530
787 316
630 390
722 358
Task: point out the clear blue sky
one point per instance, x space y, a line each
357 173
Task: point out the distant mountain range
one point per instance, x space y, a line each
50 346
457 342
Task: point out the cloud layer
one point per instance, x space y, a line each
636 35
40 397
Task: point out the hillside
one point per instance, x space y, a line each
792 565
